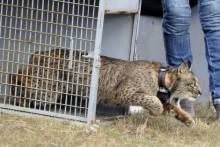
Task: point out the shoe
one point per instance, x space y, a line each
188 106
217 108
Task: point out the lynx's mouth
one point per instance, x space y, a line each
176 101
187 95
188 98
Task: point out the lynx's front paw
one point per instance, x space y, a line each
186 119
180 114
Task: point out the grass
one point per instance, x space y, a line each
134 131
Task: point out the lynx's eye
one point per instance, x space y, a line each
192 84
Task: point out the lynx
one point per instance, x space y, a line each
49 77
120 82
136 83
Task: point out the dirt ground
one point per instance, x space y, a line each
134 131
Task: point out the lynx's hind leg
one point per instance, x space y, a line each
151 103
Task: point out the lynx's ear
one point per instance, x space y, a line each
184 67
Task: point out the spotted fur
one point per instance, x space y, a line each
120 82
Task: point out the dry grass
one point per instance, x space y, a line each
135 131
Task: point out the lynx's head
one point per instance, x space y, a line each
183 83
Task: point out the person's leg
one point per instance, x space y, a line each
176 22
209 11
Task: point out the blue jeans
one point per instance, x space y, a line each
176 22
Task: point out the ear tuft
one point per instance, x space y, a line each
184 67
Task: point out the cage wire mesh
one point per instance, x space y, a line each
44 63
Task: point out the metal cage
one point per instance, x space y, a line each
49 57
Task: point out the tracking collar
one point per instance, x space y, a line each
163 93
161 78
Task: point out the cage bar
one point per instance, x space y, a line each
43 65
